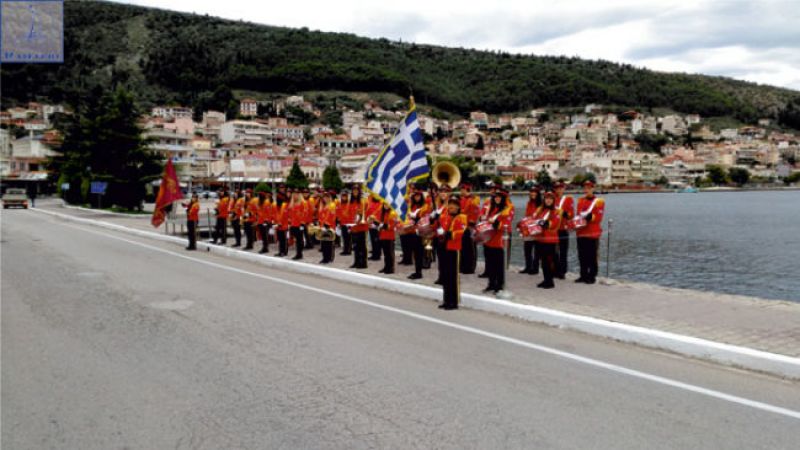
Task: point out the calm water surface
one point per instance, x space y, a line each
744 243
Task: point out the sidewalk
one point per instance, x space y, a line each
766 325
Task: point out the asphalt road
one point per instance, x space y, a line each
110 341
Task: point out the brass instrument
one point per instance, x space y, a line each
446 173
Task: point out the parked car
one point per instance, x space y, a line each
15 197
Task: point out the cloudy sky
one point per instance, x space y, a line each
755 40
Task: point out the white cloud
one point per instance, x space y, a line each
750 40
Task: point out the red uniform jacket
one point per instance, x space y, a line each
282 216
593 228
297 214
238 207
455 225
251 215
567 207
223 208
265 212
345 213
553 217
471 207
388 225
530 208
193 212
327 215
503 217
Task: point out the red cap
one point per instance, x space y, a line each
559 184
466 186
588 183
550 194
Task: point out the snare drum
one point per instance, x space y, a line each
425 228
529 228
483 232
576 224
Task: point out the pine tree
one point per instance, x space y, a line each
331 178
296 179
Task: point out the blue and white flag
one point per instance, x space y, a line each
401 162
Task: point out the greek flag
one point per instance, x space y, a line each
402 161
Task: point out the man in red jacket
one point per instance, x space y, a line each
590 208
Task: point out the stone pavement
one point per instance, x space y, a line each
768 325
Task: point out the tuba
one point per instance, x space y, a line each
446 173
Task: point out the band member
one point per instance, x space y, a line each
281 224
297 217
440 208
221 226
374 207
590 208
236 214
471 207
359 229
310 203
499 213
387 224
529 247
487 205
250 219
417 209
265 216
567 207
345 217
192 218
327 220
549 217
406 232
452 225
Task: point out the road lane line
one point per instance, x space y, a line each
476 331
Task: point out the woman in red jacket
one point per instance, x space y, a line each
327 220
549 217
499 212
529 247
452 225
387 220
591 208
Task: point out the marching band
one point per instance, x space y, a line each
440 225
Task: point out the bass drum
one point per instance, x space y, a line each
576 223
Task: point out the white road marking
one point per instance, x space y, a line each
540 348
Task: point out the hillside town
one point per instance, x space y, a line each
631 150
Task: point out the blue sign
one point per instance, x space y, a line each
98 187
32 31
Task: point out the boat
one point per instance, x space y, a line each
688 190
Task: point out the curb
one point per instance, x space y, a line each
726 354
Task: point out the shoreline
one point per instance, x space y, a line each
664 191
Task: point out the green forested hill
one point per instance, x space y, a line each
167 57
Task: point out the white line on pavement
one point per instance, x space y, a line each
541 348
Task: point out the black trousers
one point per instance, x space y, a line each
307 239
587 256
375 244
249 234
469 253
221 231
388 254
359 249
405 248
563 253
283 243
237 230
451 291
327 251
263 230
547 254
347 241
191 226
531 252
417 252
439 250
495 268
297 234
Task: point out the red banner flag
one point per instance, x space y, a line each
168 192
